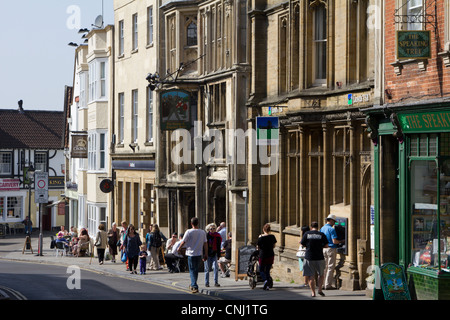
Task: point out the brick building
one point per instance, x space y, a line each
411 136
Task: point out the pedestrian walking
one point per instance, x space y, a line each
143 259
101 240
301 254
155 243
113 238
314 262
196 246
132 244
331 251
266 243
213 253
150 263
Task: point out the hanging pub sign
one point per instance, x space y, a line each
413 44
175 110
79 146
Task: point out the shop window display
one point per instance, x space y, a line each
430 203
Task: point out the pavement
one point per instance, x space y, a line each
11 248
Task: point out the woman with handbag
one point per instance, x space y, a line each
132 244
100 243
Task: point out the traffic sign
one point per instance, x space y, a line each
41 187
106 186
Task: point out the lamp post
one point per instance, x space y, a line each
30 175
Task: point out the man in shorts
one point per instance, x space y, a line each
314 262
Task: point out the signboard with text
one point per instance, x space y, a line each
79 146
9 184
41 187
267 131
413 44
437 121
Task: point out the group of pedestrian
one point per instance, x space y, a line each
320 256
203 246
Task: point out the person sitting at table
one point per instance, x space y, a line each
73 232
63 240
82 244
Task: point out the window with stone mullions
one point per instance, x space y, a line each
320 44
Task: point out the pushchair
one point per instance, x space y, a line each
253 273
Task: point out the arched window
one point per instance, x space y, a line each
192 34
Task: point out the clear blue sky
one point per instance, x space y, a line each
35 60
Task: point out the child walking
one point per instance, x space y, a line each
143 259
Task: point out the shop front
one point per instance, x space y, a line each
419 208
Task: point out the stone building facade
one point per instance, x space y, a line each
205 55
313 64
133 134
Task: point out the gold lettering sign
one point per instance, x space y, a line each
79 146
426 121
413 45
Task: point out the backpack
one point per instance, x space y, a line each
157 241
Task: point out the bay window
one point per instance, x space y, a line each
97 150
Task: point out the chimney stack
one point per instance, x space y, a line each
20 105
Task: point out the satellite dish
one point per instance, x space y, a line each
98 22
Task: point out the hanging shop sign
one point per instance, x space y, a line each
413 44
175 110
437 121
106 185
79 146
267 131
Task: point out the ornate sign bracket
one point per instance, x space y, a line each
423 17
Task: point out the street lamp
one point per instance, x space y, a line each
30 175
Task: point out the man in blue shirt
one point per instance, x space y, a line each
330 252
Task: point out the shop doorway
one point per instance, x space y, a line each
389 199
47 217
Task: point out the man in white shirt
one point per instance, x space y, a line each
196 247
